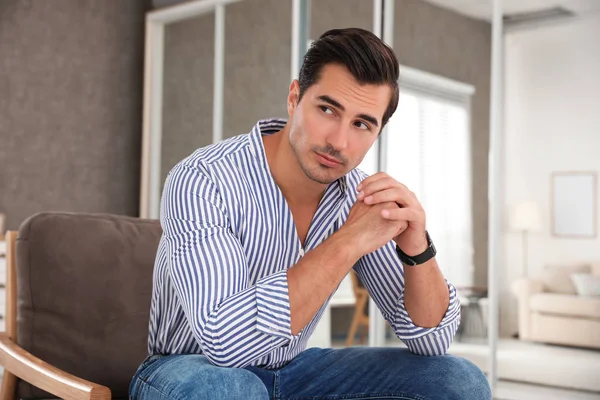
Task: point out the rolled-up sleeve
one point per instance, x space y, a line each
382 274
234 322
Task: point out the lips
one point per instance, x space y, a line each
328 161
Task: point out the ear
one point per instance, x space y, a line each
293 95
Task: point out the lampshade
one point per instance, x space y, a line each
526 216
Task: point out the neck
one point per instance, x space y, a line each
296 187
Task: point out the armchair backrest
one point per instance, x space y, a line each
84 286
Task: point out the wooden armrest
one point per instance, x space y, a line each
46 377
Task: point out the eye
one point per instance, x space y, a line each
326 110
362 125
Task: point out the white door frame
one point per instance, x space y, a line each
495 167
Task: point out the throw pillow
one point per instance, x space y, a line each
556 278
586 284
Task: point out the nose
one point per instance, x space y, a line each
338 138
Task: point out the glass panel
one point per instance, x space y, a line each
187 89
257 63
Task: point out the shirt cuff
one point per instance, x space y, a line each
405 327
273 306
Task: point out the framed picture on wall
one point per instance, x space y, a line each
574 204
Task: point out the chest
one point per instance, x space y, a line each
303 217
275 236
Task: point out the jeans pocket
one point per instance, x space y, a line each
145 370
139 375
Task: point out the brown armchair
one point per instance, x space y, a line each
78 299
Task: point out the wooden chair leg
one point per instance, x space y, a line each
9 386
352 331
363 333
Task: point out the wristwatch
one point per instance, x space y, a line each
420 258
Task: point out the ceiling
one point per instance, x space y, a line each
482 9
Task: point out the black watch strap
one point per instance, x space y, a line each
420 258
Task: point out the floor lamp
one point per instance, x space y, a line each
525 218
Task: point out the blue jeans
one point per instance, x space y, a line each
350 373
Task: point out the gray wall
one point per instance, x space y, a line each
187 89
71 74
256 76
329 14
257 63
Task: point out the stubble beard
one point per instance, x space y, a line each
319 173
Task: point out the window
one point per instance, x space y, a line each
427 147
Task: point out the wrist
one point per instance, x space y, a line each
414 250
416 255
346 243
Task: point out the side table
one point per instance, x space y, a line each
473 324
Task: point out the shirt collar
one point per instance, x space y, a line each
269 127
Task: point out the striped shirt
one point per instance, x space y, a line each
220 282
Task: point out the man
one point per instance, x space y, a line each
260 229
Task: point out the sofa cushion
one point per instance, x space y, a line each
567 305
84 286
586 284
556 278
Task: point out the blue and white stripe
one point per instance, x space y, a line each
220 283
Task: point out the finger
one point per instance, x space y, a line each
375 186
402 226
370 179
358 204
396 194
407 189
382 183
405 214
404 197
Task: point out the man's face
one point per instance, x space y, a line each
335 123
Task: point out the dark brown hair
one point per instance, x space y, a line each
367 57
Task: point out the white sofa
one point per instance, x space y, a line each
551 311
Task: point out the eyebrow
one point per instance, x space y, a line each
336 104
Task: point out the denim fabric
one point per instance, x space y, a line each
351 373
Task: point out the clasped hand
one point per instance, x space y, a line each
397 205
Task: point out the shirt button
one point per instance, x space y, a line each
301 252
